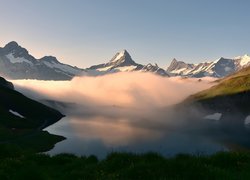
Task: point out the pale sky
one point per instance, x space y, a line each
87 32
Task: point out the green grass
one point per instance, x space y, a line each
228 87
16 164
233 84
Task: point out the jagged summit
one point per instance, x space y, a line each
11 44
119 55
154 69
121 61
49 59
122 58
174 60
177 65
14 48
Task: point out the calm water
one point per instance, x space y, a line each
101 135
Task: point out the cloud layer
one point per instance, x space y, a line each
119 110
120 89
138 100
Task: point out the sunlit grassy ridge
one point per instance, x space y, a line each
235 83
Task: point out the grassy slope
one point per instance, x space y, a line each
233 84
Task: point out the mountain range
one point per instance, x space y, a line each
122 62
17 63
218 68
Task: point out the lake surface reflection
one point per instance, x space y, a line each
134 112
100 136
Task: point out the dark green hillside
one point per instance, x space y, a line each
15 164
30 109
22 119
230 97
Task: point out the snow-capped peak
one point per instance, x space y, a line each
121 58
243 60
240 57
177 65
15 49
218 68
119 55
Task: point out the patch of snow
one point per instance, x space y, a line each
183 71
16 114
104 69
178 70
247 120
201 68
120 54
126 68
187 72
208 68
244 60
217 60
17 59
215 116
63 67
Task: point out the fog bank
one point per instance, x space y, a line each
131 89
120 110
135 99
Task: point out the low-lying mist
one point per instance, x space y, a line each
137 98
124 110
131 89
